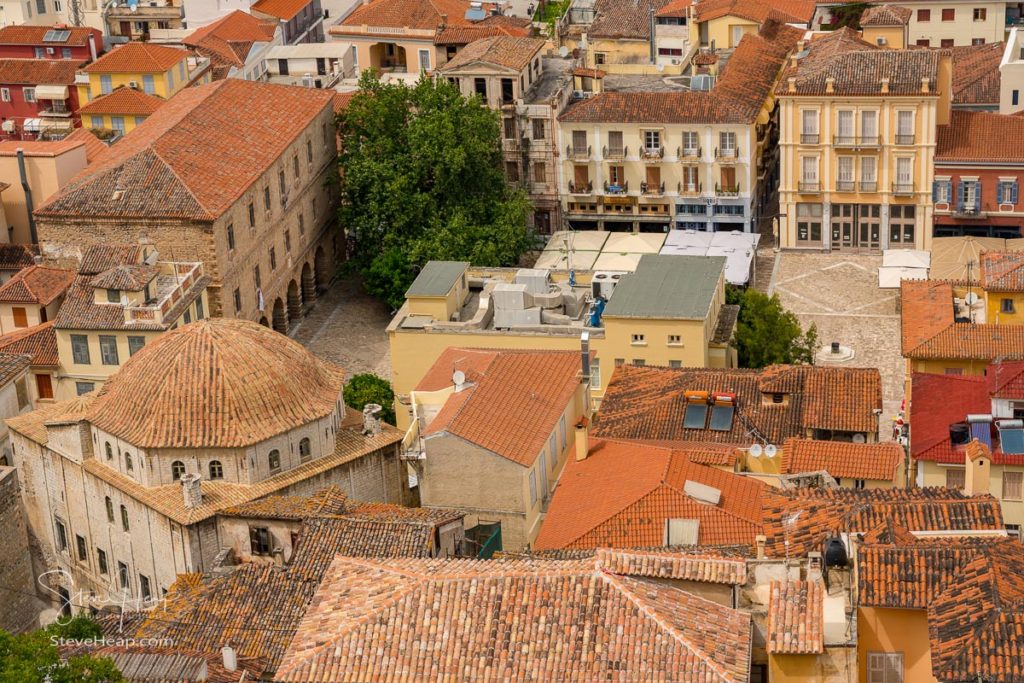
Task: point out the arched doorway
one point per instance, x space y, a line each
322 268
294 302
308 285
264 321
280 317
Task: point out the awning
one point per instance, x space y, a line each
51 92
32 125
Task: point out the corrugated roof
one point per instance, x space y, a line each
667 287
437 278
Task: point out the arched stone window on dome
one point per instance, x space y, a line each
216 470
274 459
110 451
128 461
305 449
177 470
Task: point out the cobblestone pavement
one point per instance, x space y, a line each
347 327
839 293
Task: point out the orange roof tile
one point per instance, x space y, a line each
137 57
843 460
675 8
965 341
124 100
39 342
94 147
980 136
414 14
976 76
926 308
464 35
1002 271
236 26
38 71
25 34
285 10
886 15
788 11
623 493
699 565
36 285
342 100
505 51
796 618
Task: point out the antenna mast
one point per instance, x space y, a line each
76 14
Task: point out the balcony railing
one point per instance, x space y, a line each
56 110
581 188
809 138
869 186
844 186
809 187
903 188
689 153
855 141
969 211
577 152
689 189
727 154
615 188
615 152
902 139
652 189
652 152
727 190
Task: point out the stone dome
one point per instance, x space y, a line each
216 383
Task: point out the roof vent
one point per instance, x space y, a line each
885 84
830 84
925 83
702 492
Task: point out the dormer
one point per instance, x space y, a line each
125 285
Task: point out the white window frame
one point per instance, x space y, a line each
809 163
29 94
1019 477
424 64
944 188
885 667
652 140
808 121
867 131
5 94
901 116
846 127
904 170
866 164
845 175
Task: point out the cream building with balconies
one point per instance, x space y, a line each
857 142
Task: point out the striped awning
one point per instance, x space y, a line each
51 92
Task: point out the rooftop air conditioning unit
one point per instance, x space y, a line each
133 84
50 51
881 40
307 81
604 283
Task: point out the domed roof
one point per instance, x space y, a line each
216 383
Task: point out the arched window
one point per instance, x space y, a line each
305 450
177 469
110 451
128 461
216 470
274 458
124 518
110 510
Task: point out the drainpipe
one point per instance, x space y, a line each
654 51
28 196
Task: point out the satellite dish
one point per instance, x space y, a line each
770 450
971 299
859 438
755 451
458 378
563 51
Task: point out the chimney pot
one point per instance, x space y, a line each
830 84
582 439
760 541
792 81
371 419
191 490
885 84
925 83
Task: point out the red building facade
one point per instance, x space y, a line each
51 42
38 96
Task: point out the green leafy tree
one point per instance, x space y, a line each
33 657
369 388
766 333
848 15
421 178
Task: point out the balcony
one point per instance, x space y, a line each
969 210
903 189
845 186
615 188
904 139
809 187
578 152
809 138
869 186
652 153
689 154
727 155
652 190
57 110
173 282
151 10
855 141
689 189
727 190
615 152
581 188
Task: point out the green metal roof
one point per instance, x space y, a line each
437 278
667 287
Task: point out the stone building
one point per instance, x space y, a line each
122 488
233 174
19 608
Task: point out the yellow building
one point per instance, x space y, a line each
1002 282
886 26
949 23
121 110
32 296
155 69
857 128
122 299
670 312
807 638
852 465
722 24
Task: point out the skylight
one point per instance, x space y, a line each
56 36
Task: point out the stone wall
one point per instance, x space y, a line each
19 606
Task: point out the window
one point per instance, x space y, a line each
902 223
282 184
512 171
117 124
128 462
533 488
652 140
108 349
302 219
1006 306
144 587
869 125
540 172
946 42
980 13
639 339
216 470
305 449
80 349
955 477
266 198
809 126
256 276
84 387
480 87
595 373
122 575
868 166
21 389
113 296
259 540
124 519
924 15
5 94
62 535
109 450
40 53
904 127
942 191
1012 485
309 151
1015 97
177 470
135 344
1007 192
44 386
904 172
238 301
295 166
949 14
231 236
148 85
101 557
845 127
844 182
923 42
110 509
181 69
539 132
675 363
885 667
273 259
83 552
424 60
675 340
274 460
252 215
809 170
510 128
29 93
727 141
808 222
859 484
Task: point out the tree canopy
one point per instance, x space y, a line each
421 178
766 333
369 388
34 658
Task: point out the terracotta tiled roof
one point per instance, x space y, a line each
25 34
32 425
39 342
136 57
843 460
228 40
705 58
675 8
216 383
602 501
342 100
36 285
737 97
502 51
17 256
858 67
788 11
796 618
79 311
464 35
94 147
38 71
285 10
141 663
706 568
366 611
124 100
966 341
587 72
976 75
980 136
99 258
807 517
926 308
623 19
328 501
414 14
1002 271
199 153
649 402
128 277
11 366
1006 380
513 404
886 15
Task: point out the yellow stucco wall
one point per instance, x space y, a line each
939 367
1013 510
105 121
894 36
994 312
165 84
895 630
835 665
726 32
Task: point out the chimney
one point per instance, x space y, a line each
92 46
792 85
584 357
582 439
800 45
760 541
444 20
371 419
230 658
814 566
885 84
978 468
925 82
830 84
191 490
